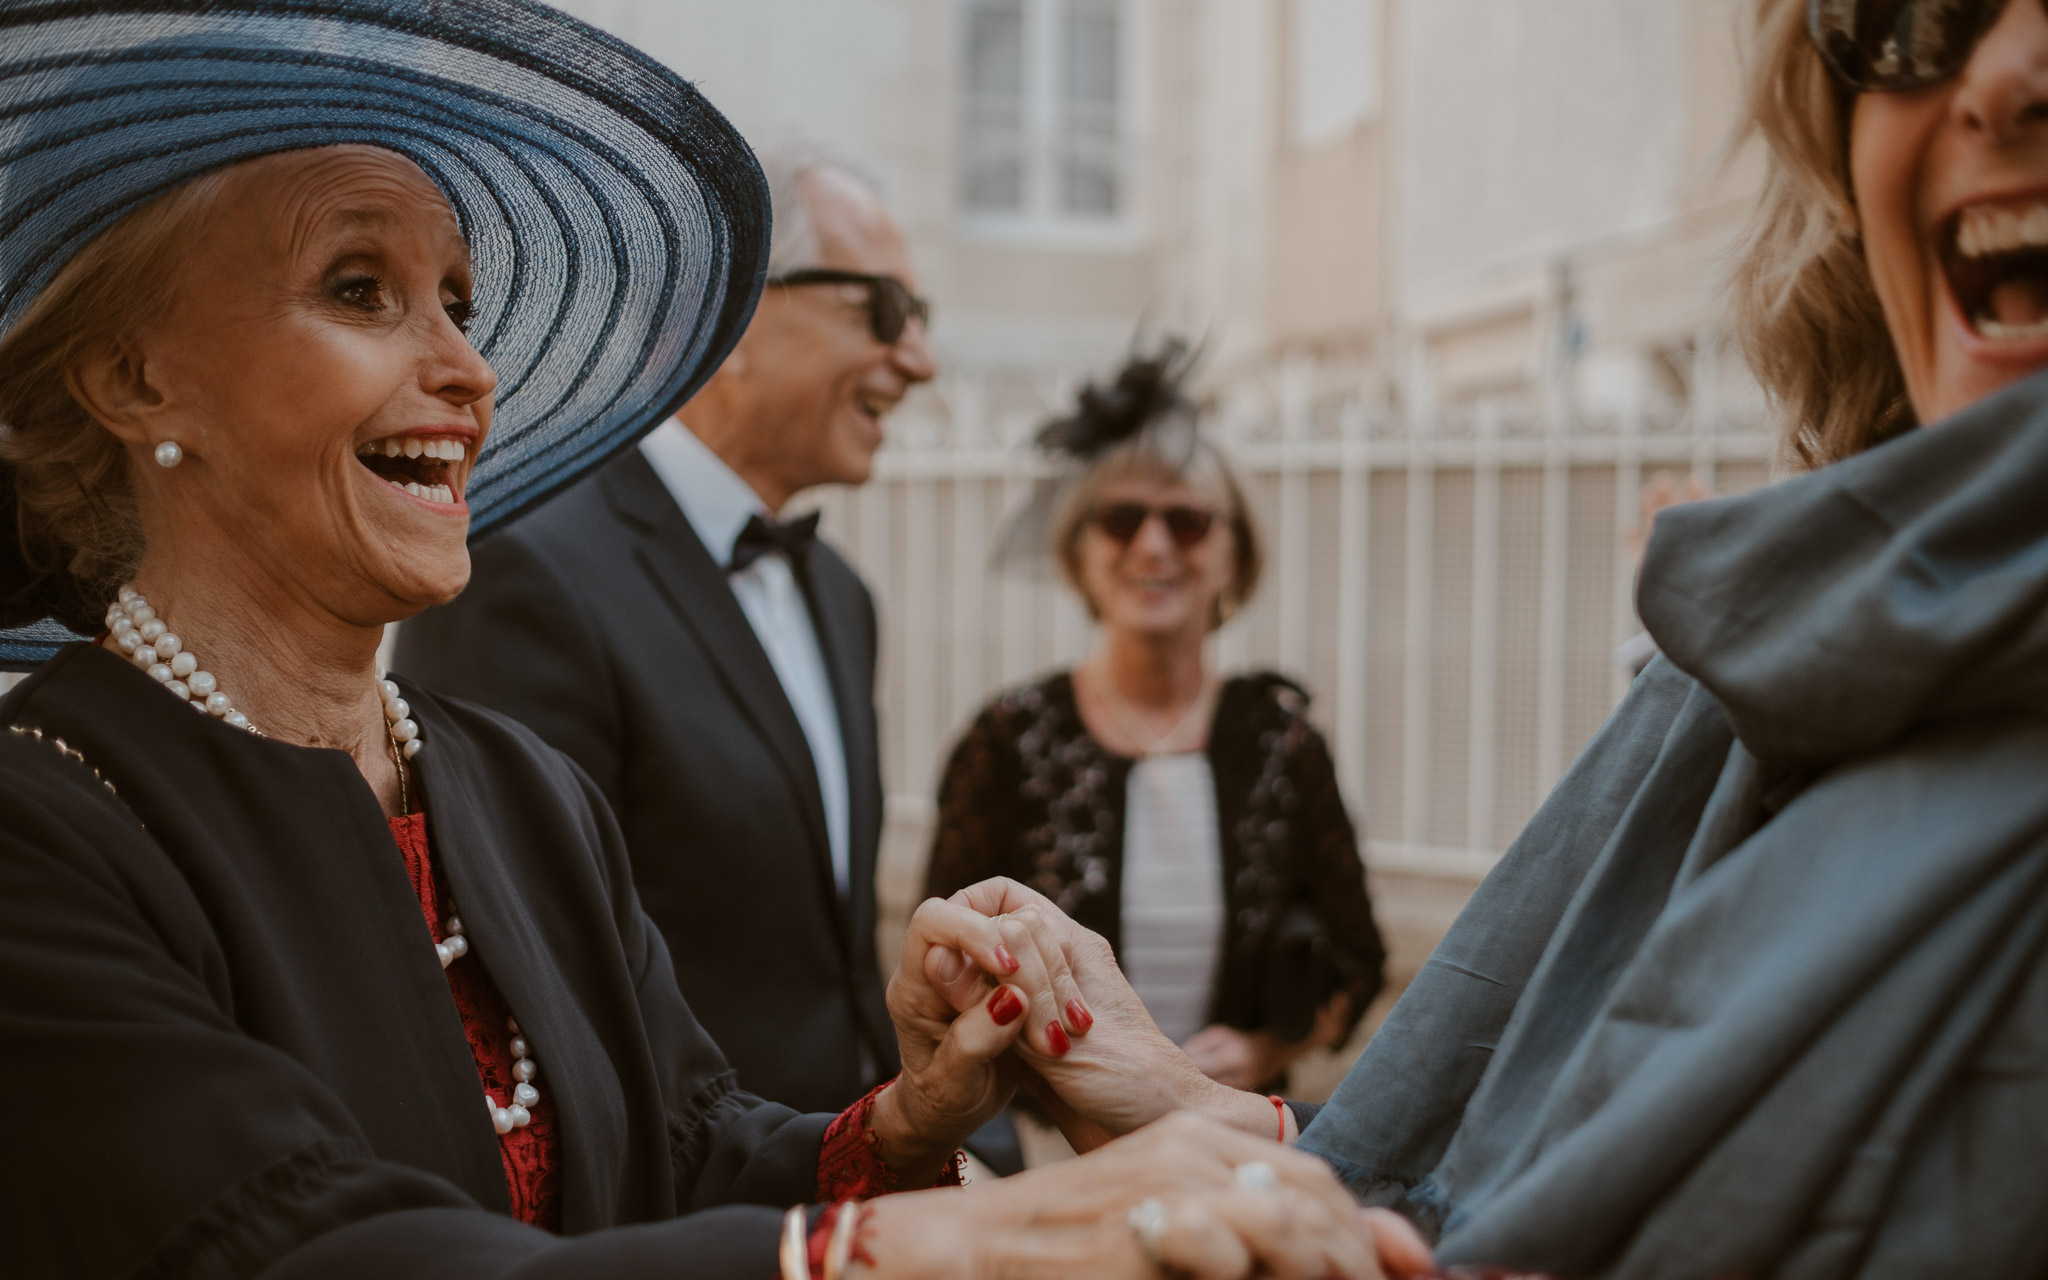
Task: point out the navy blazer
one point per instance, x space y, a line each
602 623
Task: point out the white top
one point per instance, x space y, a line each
717 504
1172 890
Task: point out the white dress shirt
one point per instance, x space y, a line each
1172 890
717 504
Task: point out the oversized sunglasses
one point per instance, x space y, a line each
891 304
1889 46
1121 521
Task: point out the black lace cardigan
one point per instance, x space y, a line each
1030 794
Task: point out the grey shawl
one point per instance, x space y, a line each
1761 988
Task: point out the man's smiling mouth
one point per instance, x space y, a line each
425 466
1996 259
872 405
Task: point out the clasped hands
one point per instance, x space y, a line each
997 989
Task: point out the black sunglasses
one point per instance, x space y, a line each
1889 46
1121 521
891 304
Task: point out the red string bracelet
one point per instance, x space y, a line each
1280 1109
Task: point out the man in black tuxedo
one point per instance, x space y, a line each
713 667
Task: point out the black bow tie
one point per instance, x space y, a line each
793 538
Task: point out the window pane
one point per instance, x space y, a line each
992 98
1089 146
1336 67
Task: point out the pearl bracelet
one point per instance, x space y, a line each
840 1250
841 1220
796 1246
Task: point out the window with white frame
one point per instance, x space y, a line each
1045 128
1336 67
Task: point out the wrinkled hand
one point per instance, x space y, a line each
969 988
1248 1059
1121 1074
1073 1217
1240 1059
1659 494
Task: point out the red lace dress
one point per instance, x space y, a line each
532 1155
849 1165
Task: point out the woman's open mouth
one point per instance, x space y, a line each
1154 583
427 466
1996 259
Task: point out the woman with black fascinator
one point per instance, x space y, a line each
1192 820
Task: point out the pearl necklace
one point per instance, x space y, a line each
524 1095
151 645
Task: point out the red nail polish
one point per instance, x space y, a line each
1005 959
1056 1037
1004 1006
1079 1017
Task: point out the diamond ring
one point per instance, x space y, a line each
1256 1175
1148 1222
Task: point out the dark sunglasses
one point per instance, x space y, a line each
891 304
1121 521
1889 46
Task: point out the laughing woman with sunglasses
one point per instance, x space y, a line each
1193 821
1763 987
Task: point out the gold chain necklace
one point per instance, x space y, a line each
1127 719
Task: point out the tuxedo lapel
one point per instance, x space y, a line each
701 598
843 637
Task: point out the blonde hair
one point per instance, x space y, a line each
1805 311
1143 455
74 502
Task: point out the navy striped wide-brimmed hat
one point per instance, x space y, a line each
619 225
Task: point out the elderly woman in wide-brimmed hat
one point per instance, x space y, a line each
307 973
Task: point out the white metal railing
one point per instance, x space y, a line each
1451 590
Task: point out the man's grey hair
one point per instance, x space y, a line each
795 242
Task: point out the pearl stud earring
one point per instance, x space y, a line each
168 454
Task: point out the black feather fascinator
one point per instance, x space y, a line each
1146 392
1143 407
